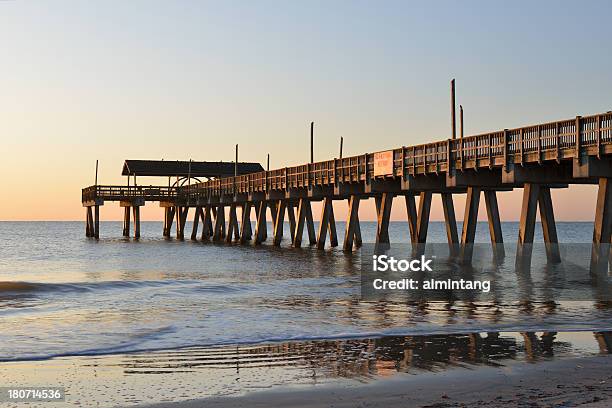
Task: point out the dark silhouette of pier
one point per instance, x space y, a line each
535 158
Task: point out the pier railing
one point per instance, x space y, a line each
571 138
118 193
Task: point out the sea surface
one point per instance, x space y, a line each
62 294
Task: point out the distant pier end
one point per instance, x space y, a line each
132 197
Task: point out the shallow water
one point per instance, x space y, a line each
63 294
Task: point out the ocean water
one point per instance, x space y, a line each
62 294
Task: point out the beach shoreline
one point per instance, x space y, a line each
493 368
585 382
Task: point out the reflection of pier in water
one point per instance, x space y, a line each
362 358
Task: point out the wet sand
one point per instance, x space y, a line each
491 369
583 382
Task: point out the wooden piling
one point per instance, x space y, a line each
178 214
411 212
383 214
196 221
86 223
331 225
327 224
602 228
181 219
168 219
302 216
261 224
96 222
233 231
495 229
89 229
358 240
323 223
470 218
279 222
312 238
272 206
245 225
528 213
165 225
352 223
291 215
549 227
423 216
602 231
207 227
219 229
449 218
126 221
136 210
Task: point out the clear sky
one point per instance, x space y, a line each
110 80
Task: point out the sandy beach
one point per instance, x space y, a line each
585 382
469 369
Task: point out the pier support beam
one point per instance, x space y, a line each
423 216
207 227
126 221
412 217
279 222
304 216
181 219
233 231
602 232
133 206
383 214
272 206
96 223
534 194
245 225
219 229
177 214
136 210
328 223
168 219
495 230
261 225
449 218
196 220
602 228
470 221
528 213
470 217
352 225
89 227
291 215
549 227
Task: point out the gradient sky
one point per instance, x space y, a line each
111 80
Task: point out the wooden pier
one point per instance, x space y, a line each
536 158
